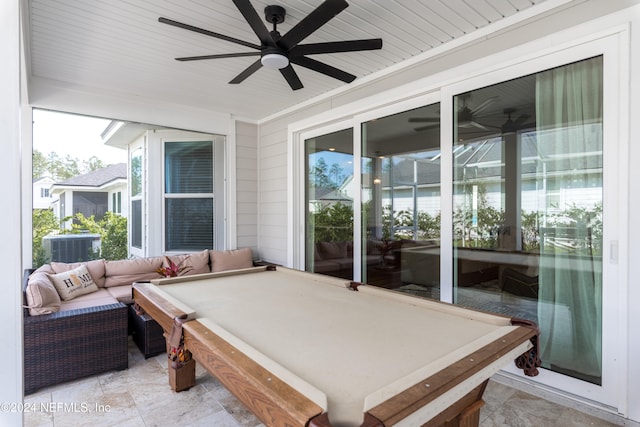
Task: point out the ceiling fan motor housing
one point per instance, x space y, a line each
275 14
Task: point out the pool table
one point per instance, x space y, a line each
303 349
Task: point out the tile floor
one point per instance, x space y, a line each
140 396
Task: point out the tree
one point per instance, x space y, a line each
40 165
44 223
333 223
112 229
93 164
61 168
323 176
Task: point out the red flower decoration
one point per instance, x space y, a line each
172 269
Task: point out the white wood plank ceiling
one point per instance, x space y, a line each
119 46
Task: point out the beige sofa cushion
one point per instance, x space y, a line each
198 261
73 283
231 260
127 271
94 299
121 293
95 267
42 297
331 250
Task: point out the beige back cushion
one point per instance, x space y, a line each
95 267
127 271
42 297
231 260
198 261
73 283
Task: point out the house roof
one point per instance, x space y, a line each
42 178
97 178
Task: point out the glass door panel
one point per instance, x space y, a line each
401 201
527 208
329 200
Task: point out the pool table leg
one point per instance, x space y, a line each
469 417
463 413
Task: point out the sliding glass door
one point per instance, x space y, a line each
496 198
329 194
401 201
527 208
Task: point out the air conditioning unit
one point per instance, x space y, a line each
71 247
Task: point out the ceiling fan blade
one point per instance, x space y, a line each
424 120
247 72
222 55
291 77
208 33
334 47
482 126
316 19
477 125
255 22
323 68
421 128
484 105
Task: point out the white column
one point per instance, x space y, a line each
10 215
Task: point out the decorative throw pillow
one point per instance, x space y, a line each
198 262
94 267
73 283
42 297
231 260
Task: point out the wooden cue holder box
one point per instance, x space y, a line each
183 377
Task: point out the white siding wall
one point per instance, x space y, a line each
247 186
273 179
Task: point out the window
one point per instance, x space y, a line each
188 195
136 197
44 192
116 202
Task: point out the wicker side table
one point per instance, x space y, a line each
147 334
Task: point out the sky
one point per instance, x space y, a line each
73 135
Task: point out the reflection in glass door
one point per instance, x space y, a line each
401 201
527 208
329 200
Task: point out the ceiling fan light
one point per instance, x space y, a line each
275 61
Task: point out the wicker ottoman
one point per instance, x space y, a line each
147 333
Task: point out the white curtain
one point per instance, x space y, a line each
569 137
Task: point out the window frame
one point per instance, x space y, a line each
217 195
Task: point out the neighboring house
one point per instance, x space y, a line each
93 193
42 192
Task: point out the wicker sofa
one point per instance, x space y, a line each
86 335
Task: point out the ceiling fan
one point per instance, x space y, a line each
280 51
511 126
466 116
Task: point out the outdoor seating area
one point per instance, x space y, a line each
72 338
